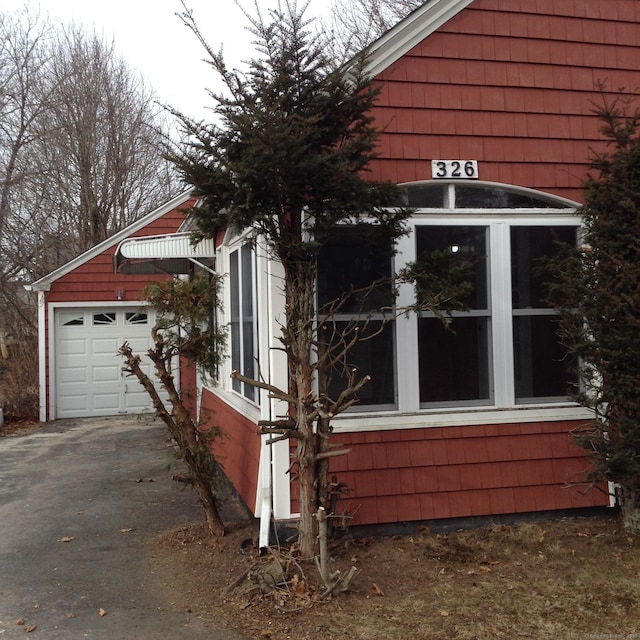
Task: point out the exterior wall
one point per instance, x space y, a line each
509 83
238 451
95 281
438 473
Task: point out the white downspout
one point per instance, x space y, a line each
266 494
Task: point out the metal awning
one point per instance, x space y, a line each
172 254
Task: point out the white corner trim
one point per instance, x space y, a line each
42 356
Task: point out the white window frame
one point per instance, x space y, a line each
242 402
503 407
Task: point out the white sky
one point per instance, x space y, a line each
153 40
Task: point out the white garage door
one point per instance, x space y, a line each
88 372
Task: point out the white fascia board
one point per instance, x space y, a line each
44 284
418 25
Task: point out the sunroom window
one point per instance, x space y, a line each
243 324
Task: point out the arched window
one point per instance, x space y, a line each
503 351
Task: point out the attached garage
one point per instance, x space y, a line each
88 376
87 310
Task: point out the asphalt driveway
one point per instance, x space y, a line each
80 505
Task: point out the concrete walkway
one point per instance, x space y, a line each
76 533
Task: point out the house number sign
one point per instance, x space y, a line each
463 169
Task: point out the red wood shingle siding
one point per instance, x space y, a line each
511 84
238 450
436 473
95 280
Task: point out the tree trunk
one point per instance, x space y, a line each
298 340
182 429
630 506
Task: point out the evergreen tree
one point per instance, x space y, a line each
287 159
600 293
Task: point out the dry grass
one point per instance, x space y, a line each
19 379
570 580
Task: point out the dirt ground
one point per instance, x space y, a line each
570 579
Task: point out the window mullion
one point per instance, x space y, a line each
502 326
406 328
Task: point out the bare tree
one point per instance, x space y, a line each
81 152
102 159
355 24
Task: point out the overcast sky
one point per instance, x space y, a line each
152 39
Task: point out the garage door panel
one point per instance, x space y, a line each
106 400
105 374
105 346
73 375
76 403
139 345
74 347
88 370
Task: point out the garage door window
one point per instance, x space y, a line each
71 319
104 318
136 318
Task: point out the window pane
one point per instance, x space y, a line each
543 368
234 327
465 245
136 317
529 273
454 361
71 319
423 196
104 318
482 197
374 357
355 258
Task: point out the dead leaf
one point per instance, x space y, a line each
20 621
444 614
67 539
102 613
71 615
485 569
127 530
377 590
30 628
354 559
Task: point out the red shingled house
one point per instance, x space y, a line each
486 110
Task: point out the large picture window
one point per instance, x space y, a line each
502 351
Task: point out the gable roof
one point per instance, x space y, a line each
44 283
409 32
